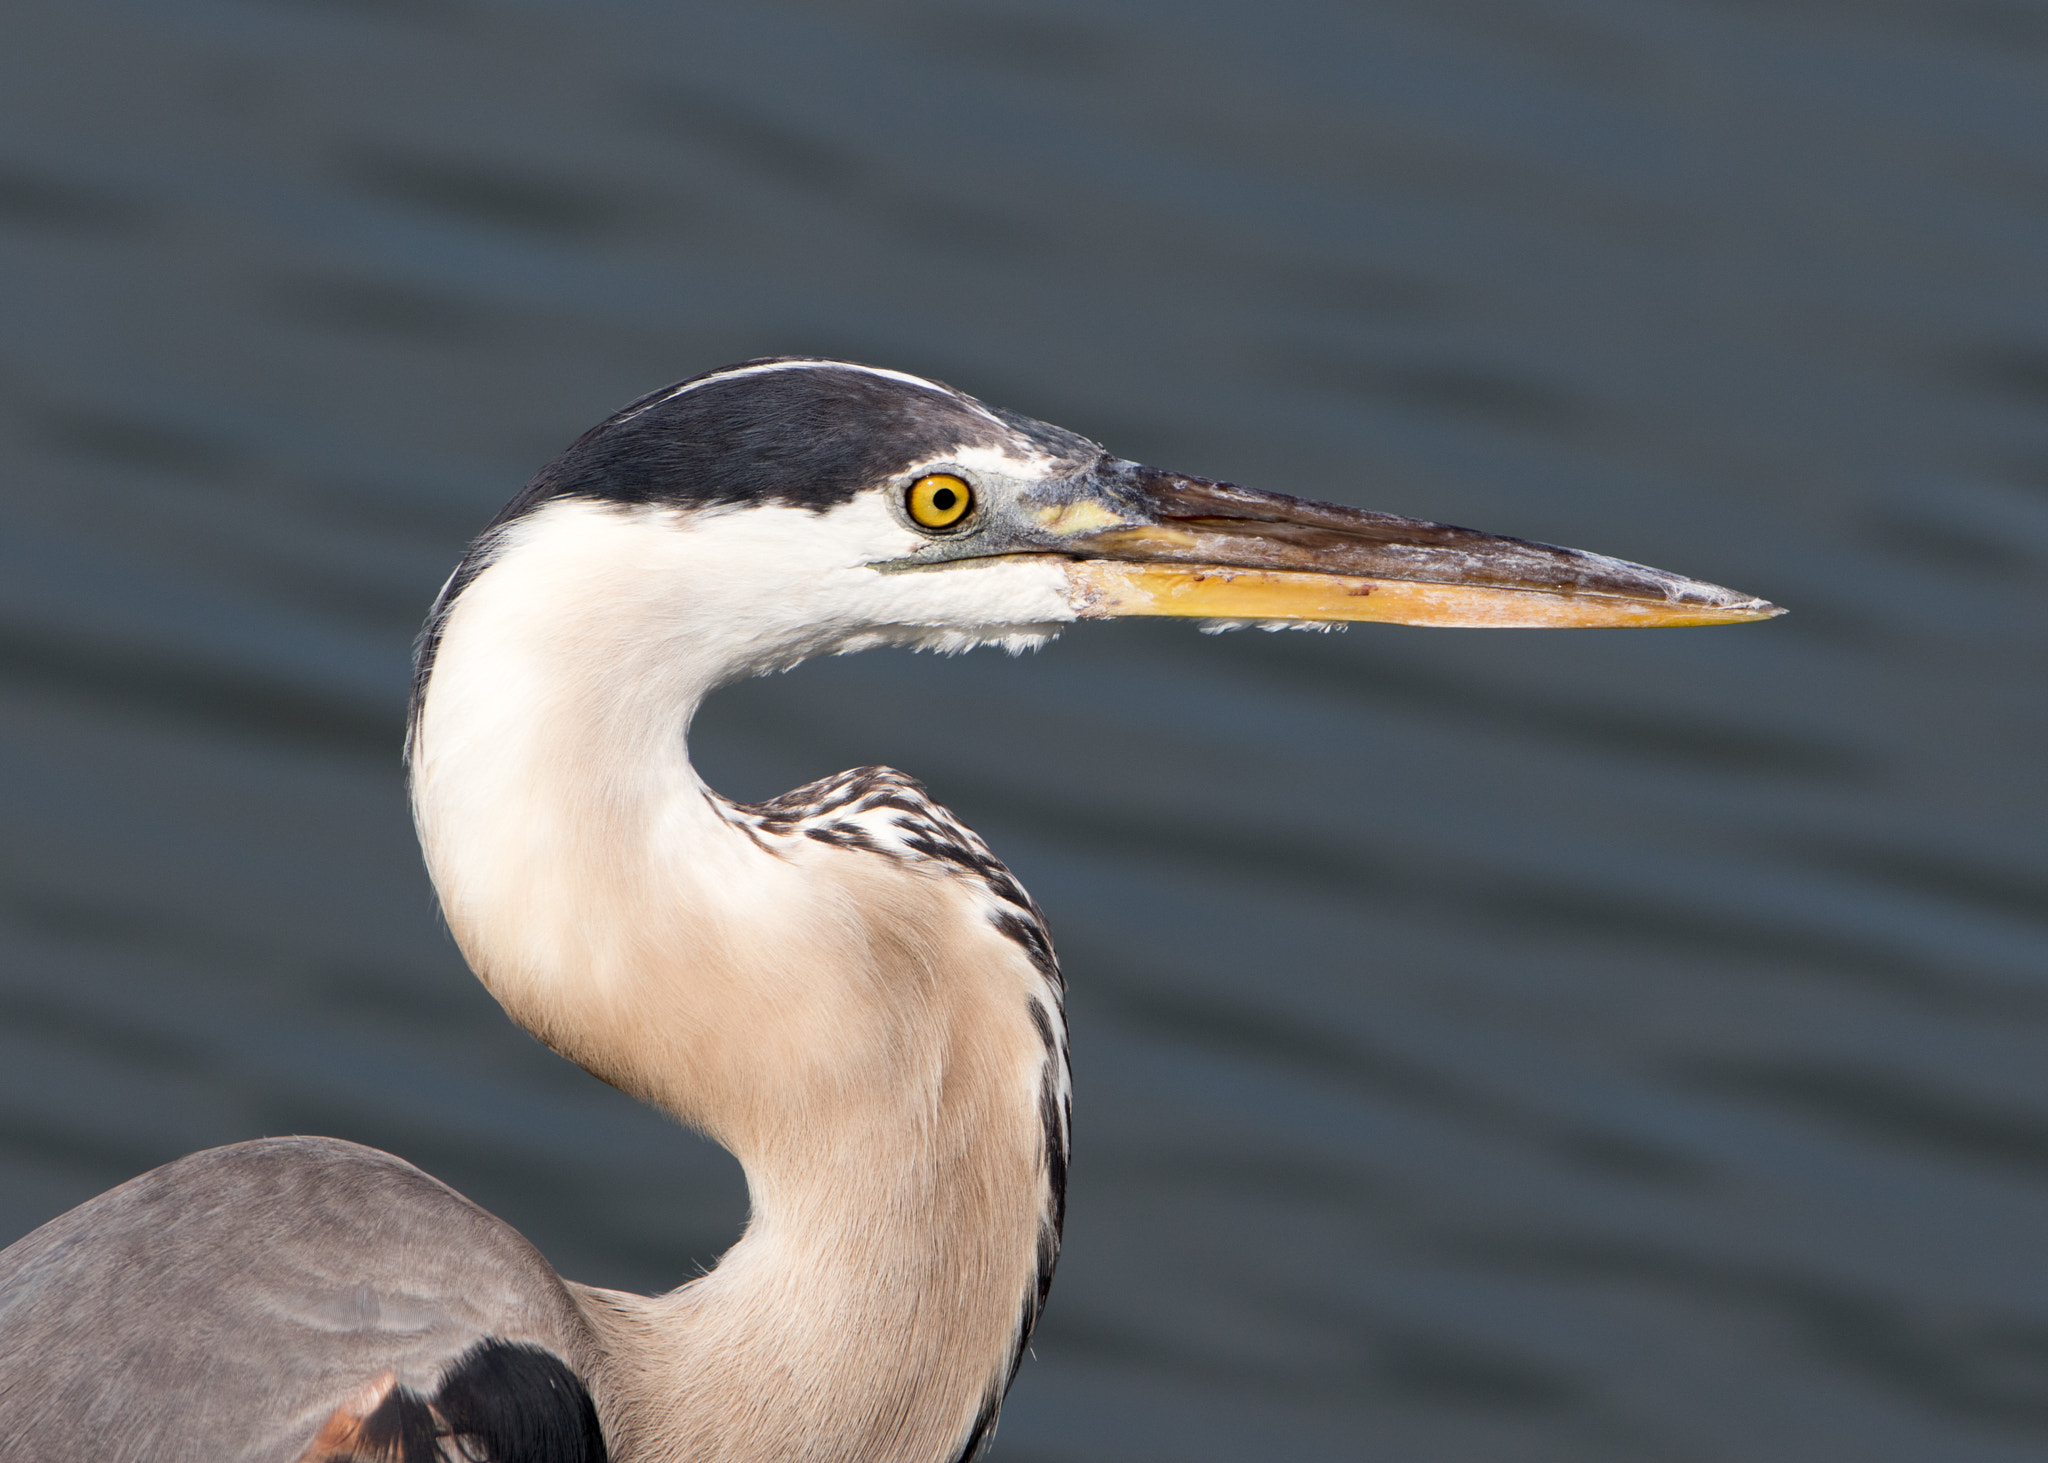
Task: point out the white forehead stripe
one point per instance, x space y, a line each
767 366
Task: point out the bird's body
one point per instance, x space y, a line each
842 985
348 1261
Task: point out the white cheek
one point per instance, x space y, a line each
827 590
729 592
990 594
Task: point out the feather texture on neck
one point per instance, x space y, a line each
863 1018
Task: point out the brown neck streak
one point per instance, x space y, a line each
853 1028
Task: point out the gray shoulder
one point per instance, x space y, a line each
221 1306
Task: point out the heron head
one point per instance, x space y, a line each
813 506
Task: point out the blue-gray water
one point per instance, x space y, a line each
1490 1048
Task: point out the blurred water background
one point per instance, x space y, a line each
1489 1048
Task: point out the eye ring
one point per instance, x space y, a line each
938 500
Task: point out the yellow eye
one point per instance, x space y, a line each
939 500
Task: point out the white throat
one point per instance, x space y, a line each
856 1026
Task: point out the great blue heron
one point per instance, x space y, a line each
842 985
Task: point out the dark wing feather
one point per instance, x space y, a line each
498 1403
220 1308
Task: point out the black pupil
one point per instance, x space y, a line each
944 499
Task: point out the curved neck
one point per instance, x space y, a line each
853 1026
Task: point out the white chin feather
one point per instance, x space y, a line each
1221 627
945 640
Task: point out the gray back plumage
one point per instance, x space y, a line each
217 1309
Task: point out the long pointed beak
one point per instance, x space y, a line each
1186 546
